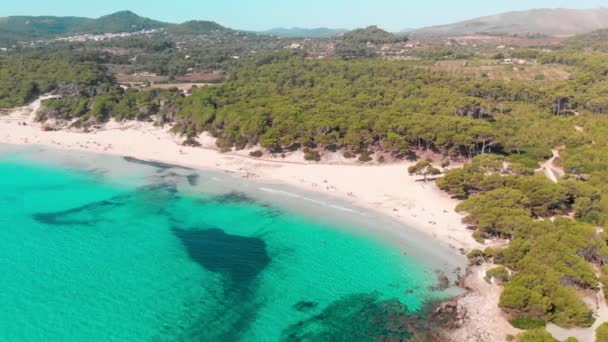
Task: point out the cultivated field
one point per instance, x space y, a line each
507 72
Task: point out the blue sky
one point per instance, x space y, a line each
264 14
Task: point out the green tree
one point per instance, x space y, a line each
601 333
536 335
424 168
499 212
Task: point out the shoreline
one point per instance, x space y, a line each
385 189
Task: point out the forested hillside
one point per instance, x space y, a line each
194 27
28 75
372 34
593 41
394 106
26 27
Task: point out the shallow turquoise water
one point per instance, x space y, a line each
93 252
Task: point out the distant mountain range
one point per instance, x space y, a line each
550 22
298 32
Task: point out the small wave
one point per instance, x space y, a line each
325 204
344 209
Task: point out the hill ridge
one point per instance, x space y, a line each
547 21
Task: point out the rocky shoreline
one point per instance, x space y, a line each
474 315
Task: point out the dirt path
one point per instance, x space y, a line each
585 334
26 113
552 171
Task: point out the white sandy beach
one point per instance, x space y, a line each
387 189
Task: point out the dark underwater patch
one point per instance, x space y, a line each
97 173
157 196
167 188
237 197
271 212
303 306
228 320
155 164
238 258
358 317
193 179
233 197
66 217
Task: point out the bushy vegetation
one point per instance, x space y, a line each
390 106
601 333
550 259
535 335
596 41
550 226
498 274
27 75
424 168
527 323
115 103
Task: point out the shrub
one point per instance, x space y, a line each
601 333
240 143
476 257
381 159
191 141
256 154
527 323
525 159
424 168
499 273
348 155
535 335
365 157
224 144
312 155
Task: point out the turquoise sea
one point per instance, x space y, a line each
98 248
